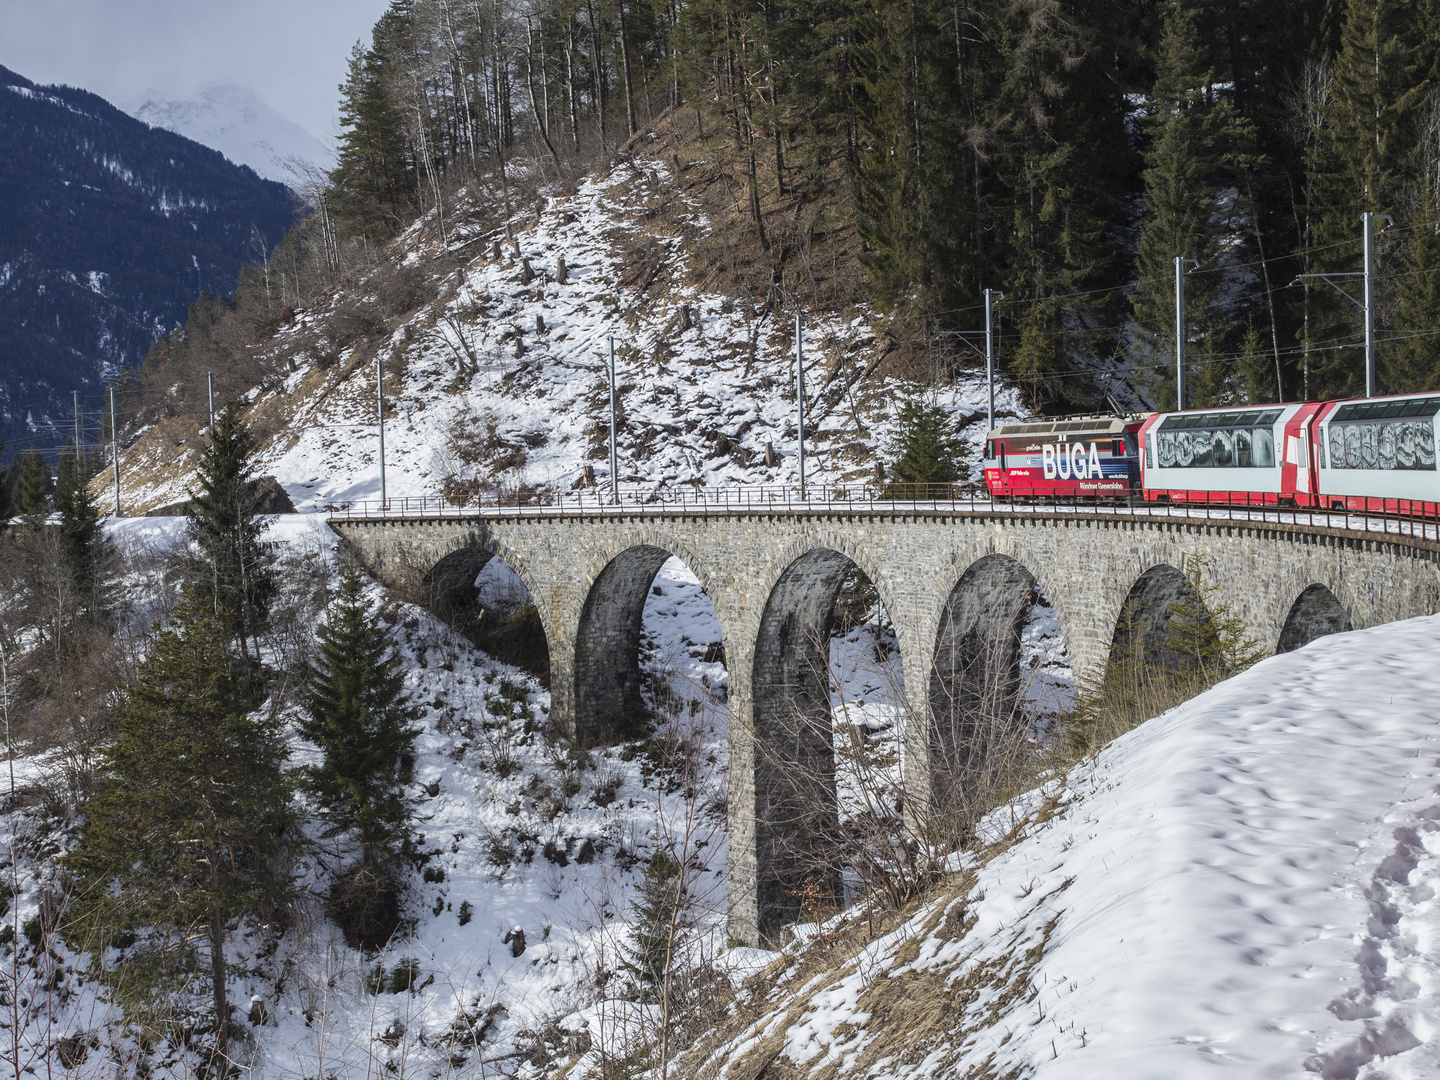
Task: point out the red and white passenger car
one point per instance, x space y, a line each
1374 454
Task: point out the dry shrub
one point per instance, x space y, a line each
356 318
516 637
477 453
401 287
364 903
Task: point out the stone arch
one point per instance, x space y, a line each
1315 613
1140 628
1066 602
837 542
609 706
796 813
973 696
449 585
449 590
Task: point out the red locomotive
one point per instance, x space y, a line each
1091 456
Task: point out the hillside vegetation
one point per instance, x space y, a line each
914 155
495 349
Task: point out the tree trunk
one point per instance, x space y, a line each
1269 291
540 125
570 87
599 73
625 68
219 997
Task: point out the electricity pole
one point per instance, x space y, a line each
991 295
614 430
115 449
1367 228
210 379
1180 328
1367 301
380 414
800 393
77 422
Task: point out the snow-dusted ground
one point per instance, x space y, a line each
521 833
476 391
1248 881
1245 886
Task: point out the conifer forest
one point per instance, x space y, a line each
1060 153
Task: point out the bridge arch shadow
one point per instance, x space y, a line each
827 691
1142 639
480 594
986 708
1316 613
609 675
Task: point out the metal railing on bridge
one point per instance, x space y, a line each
1383 516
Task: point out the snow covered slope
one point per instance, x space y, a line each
518 833
501 376
233 120
501 379
1247 884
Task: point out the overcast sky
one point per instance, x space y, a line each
292 53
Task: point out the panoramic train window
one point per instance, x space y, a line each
1241 439
1384 435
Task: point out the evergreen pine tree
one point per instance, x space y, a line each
1255 370
357 713
1382 79
926 449
1410 361
189 835
32 488
1060 151
85 550
658 916
233 575
374 183
1204 636
1195 138
916 189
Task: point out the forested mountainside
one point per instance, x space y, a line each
494 355
1063 153
911 156
109 230
887 165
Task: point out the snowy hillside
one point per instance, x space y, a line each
1246 883
501 380
519 834
235 121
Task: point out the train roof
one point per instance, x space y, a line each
1065 425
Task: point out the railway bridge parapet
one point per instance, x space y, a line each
955 580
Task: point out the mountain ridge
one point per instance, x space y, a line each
109 230
242 126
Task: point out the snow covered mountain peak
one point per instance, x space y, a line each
234 120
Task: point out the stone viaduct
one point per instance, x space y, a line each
957 585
